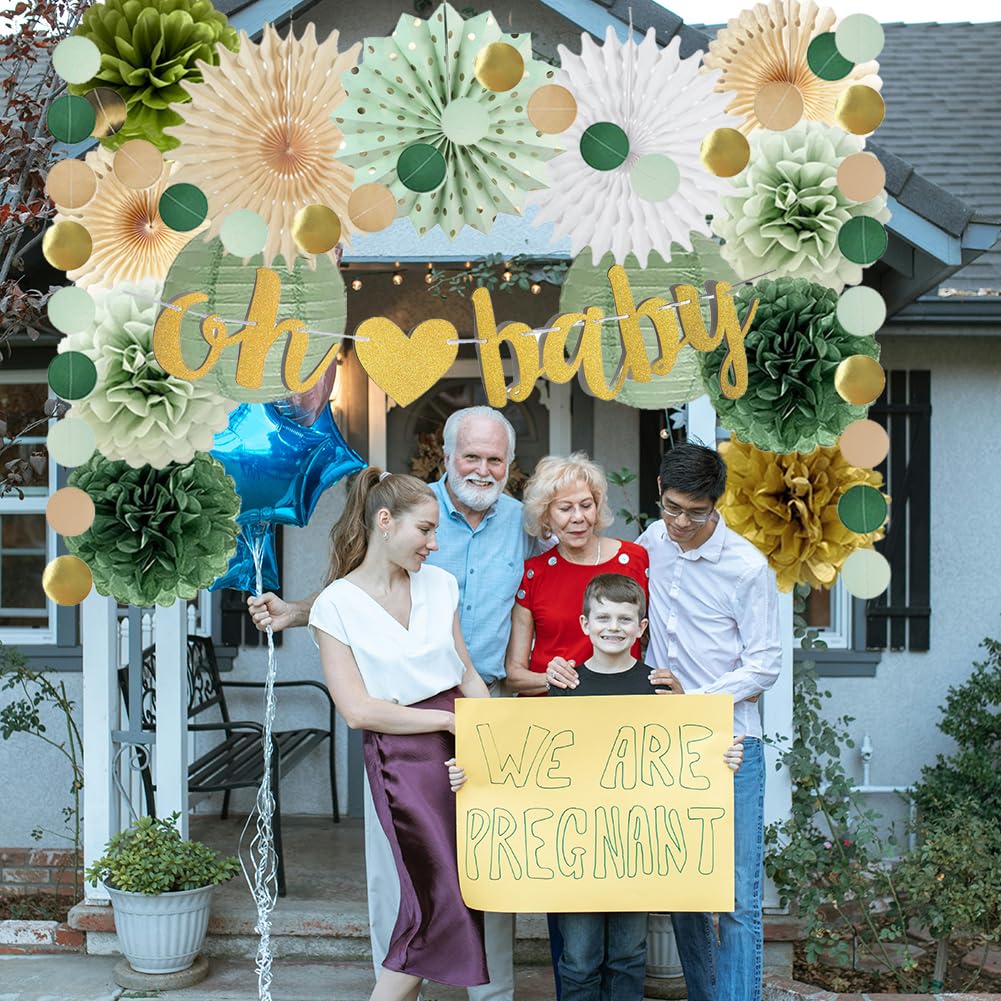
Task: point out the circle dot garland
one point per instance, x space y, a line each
76 59
862 509
859 379
71 442
861 310
71 119
860 109
499 67
552 109
316 229
725 152
864 444
863 240
778 105
865 574
244 233
372 207
655 177
110 111
465 121
138 164
859 38
604 146
825 61
67 580
71 184
421 167
861 176
72 375
67 245
69 511
183 207
71 309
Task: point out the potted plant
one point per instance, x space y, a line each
161 891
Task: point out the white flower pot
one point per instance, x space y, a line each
161 933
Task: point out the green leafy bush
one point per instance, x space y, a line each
969 780
151 857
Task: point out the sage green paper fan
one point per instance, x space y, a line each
419 85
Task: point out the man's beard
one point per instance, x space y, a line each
475 498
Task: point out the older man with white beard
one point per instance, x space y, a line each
483 544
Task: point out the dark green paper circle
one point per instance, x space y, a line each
421 167
71 119
863 240
862 509
183 207
72 375
824 59
604 146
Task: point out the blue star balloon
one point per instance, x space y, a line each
280 468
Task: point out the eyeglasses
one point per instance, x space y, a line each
672 511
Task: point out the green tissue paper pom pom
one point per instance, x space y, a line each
793 347
158 534
149 50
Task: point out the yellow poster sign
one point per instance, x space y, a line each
611 803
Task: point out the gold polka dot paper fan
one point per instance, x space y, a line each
768 44
258 134
417 119
131 243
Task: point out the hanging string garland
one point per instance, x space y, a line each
419 120
630 179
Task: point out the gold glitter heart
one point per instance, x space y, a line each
405 367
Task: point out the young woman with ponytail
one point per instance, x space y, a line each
388 632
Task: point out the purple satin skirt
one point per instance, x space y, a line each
436 936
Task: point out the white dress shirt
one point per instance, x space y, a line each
714 618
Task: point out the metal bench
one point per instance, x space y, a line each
236 762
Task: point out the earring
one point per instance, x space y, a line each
385 536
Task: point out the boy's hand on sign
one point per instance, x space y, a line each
664 682
562 673
456 776
734 754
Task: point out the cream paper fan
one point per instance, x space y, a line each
131 243
258 133
398 97
665 106
768 44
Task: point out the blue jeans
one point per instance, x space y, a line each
604 956
730 969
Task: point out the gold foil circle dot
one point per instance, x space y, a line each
864 444
71 184
859 379
861 176
110 111
725 152
778 105
552 109
860 109
372 207
67 580
499 66
316 229
70 511
67 245
138 164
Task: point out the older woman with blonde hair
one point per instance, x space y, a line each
566 499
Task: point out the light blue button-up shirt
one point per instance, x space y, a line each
488 562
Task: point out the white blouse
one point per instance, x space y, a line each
403 665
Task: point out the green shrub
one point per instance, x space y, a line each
151 857
969 780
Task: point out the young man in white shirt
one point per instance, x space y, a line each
714 627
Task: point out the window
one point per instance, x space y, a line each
830 611
26 543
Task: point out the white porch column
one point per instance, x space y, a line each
558 404
776 719
171 631
99 640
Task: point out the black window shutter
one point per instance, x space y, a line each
899 618
236 627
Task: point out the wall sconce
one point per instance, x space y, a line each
338 395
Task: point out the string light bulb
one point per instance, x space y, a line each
356 285
397 278
429 277
506 275
536 288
